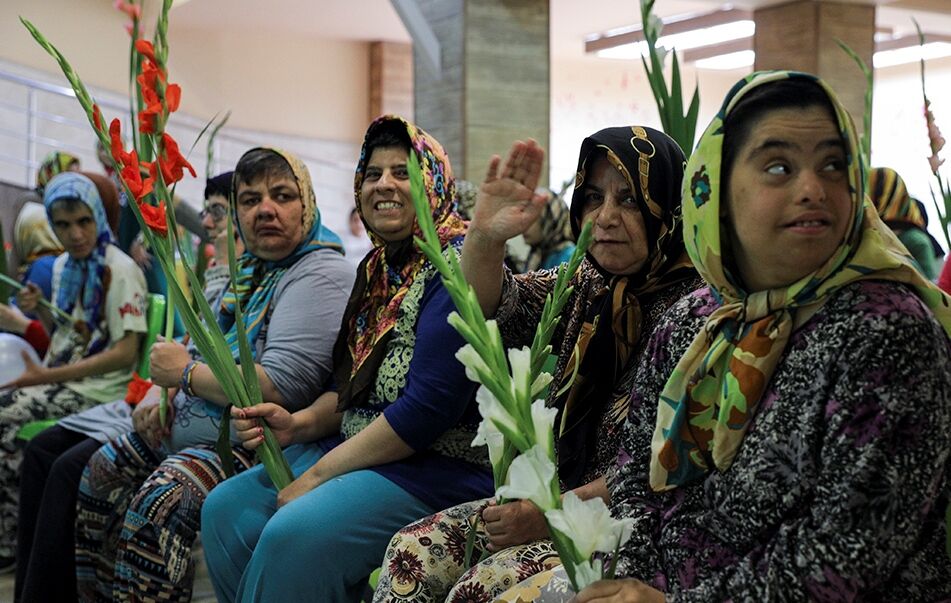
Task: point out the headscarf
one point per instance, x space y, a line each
89 276
887 191
713 393
385 275
55 163
557 233
258 278
110 198
613 326
32 235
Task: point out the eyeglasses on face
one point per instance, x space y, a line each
216 211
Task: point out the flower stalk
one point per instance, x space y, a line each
865 141
145 181
517 428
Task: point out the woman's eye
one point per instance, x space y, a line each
834 165
372 175
778 169
402 173
593 198
629 201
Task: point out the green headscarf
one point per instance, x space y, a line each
712 394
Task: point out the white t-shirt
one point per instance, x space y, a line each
124 311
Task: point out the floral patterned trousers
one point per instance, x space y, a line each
424 562
18 407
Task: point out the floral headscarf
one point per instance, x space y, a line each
258 278
55 163
713 393
385 275
88 276
652 163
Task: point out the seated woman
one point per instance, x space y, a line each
635 269
89 361
393 444
789 439
36 246
904 215
140 496
54 460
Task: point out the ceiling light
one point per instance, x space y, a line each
910 54
733 60
696 38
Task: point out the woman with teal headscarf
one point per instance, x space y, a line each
790 438
141 495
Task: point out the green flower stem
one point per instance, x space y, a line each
17 286
205 332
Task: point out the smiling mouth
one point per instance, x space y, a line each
808 224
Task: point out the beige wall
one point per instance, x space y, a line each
305 87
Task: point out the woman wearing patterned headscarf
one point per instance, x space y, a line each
903 215
628 185
141 494
790 437
90 360
53 164
392 443
36 247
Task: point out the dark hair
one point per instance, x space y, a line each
794 93
257 163
68 204
390 133
219 185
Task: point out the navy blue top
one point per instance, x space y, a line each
437 397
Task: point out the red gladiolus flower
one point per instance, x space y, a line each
171 161
97 117
173 96
134 11
118 152
131 174
137 389
145 48
154 217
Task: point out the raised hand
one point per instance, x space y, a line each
507 204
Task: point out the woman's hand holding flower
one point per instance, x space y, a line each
28 298
513 524
248 421
619 591
168 360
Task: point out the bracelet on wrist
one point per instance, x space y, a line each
186 382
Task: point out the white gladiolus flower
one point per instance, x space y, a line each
543 419
530 477
470 359
492 410
521 363
541 382
589 525
489 435
587 573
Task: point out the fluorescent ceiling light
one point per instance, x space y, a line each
687 40
911 54
733 60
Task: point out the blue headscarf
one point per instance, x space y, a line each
258 278
83 276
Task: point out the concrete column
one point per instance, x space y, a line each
391 79
493 86
801 35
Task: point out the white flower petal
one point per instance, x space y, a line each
491 409
587 573
543 420
589 525
470 359
530 478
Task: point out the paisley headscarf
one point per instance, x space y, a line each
652 163
713 393
88 276
55 163
557 233
258 278
386 273
32 235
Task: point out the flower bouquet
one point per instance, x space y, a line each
517 430
146 184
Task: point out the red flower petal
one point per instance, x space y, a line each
145 48
97 116
137 389
154 217
173 96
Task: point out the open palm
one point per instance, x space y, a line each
507 204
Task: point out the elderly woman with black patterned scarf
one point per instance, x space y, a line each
789 438
628 185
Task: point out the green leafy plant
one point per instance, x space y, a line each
865 141
680 126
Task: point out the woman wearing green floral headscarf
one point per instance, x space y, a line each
790 438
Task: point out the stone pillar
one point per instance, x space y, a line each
801 35
391 79
493 87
